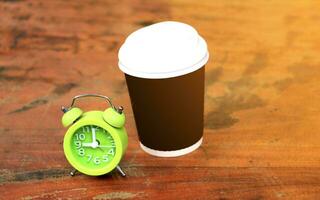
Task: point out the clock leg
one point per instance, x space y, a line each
121 171
73 172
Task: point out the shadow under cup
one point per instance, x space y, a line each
168 112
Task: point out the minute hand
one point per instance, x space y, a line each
93 134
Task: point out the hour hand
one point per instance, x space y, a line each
94 144
87 144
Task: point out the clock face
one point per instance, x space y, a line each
92 146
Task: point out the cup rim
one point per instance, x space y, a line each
163 75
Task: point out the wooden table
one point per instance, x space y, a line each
262 109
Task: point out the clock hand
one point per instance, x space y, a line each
87 144
93 144
108 146
94 139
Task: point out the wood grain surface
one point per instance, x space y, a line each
262 105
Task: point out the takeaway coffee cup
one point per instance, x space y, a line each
164 66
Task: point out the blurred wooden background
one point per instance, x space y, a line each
261 138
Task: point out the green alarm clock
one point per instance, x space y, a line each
96 140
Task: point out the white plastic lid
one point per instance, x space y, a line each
163 50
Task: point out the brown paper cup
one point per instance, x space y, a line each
168 105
